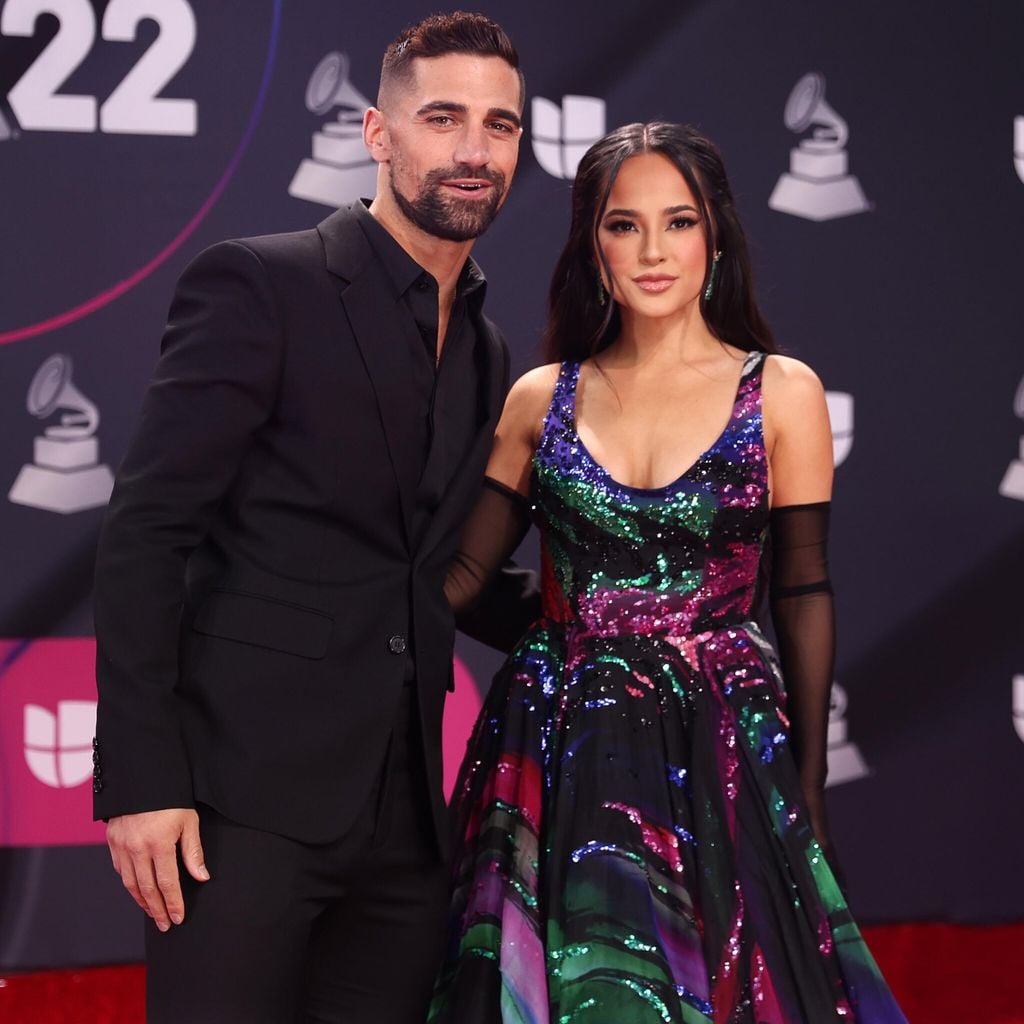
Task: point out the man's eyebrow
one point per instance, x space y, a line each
505 115
451 107
447 106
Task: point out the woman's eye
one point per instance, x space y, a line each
619 226
682 222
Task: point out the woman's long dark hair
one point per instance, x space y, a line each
579 325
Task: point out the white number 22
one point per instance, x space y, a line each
134 106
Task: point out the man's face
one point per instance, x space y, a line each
452 142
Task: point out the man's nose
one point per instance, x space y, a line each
473 148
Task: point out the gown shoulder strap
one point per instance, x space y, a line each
561 413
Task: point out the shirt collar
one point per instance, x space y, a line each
401 269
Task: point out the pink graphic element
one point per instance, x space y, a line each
460 715
69 316
47 697
46 689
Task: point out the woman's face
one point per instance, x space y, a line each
653 238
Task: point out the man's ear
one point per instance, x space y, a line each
375 135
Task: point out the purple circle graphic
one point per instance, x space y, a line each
105 297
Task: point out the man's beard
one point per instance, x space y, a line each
446 216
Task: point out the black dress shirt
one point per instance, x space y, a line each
445 390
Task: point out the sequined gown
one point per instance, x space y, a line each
633 845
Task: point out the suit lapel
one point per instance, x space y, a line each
378 321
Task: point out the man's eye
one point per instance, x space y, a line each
502 126
441 119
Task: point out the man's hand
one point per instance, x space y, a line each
143 849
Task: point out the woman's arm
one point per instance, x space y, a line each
519 429
799 441
798 435
500 518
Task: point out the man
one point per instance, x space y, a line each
273 640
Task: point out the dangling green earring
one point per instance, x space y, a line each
602 295
710 290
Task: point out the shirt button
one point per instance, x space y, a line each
397 645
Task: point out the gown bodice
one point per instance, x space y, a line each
678 559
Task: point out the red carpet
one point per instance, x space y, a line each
941 974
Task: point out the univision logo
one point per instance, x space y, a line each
840 413
562 134
1018 706
1018 146
58 747
1012 485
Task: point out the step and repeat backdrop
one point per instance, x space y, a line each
877 153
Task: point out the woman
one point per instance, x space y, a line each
640 814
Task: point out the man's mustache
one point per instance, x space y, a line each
435 177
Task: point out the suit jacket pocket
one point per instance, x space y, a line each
265 622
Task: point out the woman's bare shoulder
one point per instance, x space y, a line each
532 392
790 380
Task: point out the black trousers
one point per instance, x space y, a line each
348 932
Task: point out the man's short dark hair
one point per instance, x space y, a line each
441 34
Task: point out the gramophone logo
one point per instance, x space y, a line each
840 413
845 763
65 475
561 135
341 170
1012 485
1018 146
58 747
817 185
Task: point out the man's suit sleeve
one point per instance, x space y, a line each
214 386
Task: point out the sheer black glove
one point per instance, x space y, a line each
804 619
493 606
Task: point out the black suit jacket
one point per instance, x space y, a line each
257 582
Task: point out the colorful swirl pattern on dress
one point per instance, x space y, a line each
632 841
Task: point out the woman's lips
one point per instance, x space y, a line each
654 284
